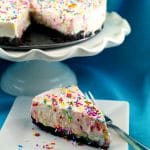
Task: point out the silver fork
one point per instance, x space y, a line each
130 140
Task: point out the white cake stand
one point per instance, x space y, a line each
36 70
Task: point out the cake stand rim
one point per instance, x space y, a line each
105 39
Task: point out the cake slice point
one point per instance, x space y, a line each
68 113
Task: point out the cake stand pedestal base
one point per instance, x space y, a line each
30 78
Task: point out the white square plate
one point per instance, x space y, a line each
18 132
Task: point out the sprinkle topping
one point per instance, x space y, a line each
10 10
70 99
68 6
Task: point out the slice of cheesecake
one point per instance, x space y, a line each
14 18
67 112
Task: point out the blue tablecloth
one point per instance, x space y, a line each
120 73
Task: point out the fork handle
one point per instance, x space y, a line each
134 143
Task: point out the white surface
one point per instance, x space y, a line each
17 129
43 75
113 34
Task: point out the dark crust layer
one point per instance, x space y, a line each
53 35
10 41
79 140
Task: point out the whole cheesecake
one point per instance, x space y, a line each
68 113
77 18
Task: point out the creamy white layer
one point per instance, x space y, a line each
14 18
78 125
